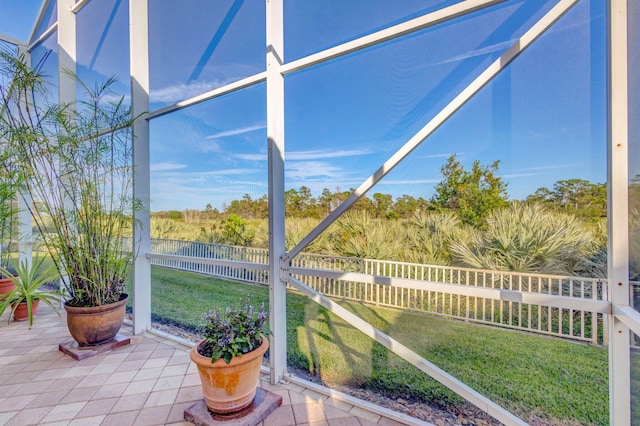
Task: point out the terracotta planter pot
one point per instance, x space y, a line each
22 313
97 324
6 285
228 388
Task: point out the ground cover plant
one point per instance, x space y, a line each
538 378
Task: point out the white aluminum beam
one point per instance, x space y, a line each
43 37
408 355
208 261
215 93
139 71
79 5
474 87
629 317
66 52
434 18
25 229
275 140
8 39
618 213
25 204
554 301
43 8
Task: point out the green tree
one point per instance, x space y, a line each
406 206
299 203
382 204
577 196
471 194
236 232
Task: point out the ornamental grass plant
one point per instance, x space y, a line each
75 162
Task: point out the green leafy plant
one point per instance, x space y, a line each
234 331
29 279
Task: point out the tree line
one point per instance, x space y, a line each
471 194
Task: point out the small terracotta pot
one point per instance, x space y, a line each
22 313
228 388
96 324
6 286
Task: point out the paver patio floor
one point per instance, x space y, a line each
149 382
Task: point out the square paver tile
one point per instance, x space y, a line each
110 391
120 419
160 398
28 416
79 395
97 407
153 416
281 416
63 412
309 412
142 386
129 403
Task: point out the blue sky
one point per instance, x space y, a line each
543 117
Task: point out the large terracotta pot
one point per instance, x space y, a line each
22 313
228 388
97 324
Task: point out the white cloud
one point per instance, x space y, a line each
166 166
407 182
518 175
238 131
182 91
304 170
304 155
204 174
446 155
317 154
479 52
209 146
252 157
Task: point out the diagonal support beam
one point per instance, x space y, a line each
463 97
434 18
408 355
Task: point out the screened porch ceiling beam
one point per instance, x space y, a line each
43 37
36 24
215 93
9 39
79 5
434 18
431 19
462 98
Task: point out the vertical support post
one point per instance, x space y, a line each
66 52
275 135
25 233
618 212
25 225
66 59
139 63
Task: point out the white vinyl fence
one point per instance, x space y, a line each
442 290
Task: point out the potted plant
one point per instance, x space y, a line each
75 162
230 355
25 298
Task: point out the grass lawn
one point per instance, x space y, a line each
527 374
